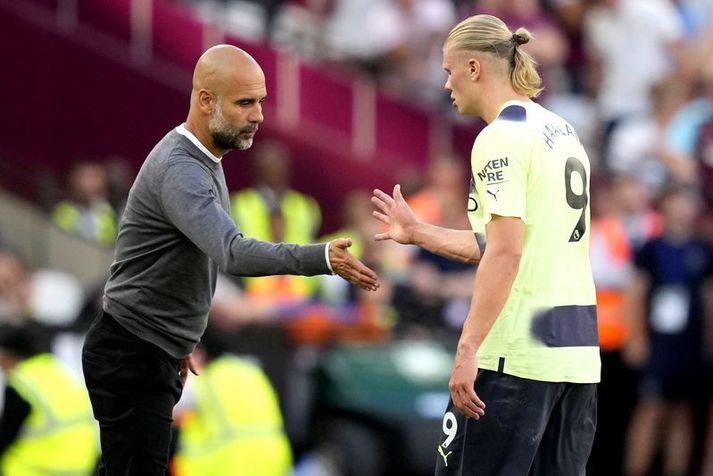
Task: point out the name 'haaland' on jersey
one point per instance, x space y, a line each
553 131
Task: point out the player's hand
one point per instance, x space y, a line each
350 268
462 385
188 363
394 212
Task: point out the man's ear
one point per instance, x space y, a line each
474 68
206 101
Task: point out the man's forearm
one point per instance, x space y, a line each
457 245
493 283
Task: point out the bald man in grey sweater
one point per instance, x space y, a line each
174 236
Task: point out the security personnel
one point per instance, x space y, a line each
272 211
236 427
86 212
100 219
47 427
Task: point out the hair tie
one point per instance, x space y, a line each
520 38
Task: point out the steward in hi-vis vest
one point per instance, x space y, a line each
236 427
47 410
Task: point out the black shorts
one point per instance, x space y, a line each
529 428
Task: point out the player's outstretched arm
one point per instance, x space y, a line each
404 228
350 268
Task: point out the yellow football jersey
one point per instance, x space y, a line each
529 163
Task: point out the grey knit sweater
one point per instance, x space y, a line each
174 235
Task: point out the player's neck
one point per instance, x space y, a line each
496 100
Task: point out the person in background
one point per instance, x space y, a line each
638 147
611 256
14 288
665 300
46 427
86 211
436 291
631 45
235 427
271 210
359 226
703 157
633 201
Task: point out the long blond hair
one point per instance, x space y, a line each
489 34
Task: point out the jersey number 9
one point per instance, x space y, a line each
578 201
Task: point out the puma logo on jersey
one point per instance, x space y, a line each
494 194
444 455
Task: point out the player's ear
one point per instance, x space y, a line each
474 68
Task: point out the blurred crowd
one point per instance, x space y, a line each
634 77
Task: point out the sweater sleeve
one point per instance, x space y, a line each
190 203
15 412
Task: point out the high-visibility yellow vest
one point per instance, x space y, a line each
301 220
237 427
59 436
67 215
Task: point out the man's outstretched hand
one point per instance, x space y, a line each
394 212
350 268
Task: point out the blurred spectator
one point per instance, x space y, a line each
631 44
248 19
47 425
641 222
707 292
638 147
52 299
703 152
14 288
667 338
441 199
120 175
683 129
360 227
437 291
235 426
86 210
695 14
411 33
570 17
399 41
48 296
270 210
343 313
233 308
611 259
300 26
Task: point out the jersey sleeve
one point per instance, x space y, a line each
501 161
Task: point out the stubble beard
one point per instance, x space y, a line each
225 136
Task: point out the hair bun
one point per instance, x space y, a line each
521 36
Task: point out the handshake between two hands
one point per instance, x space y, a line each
393 212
